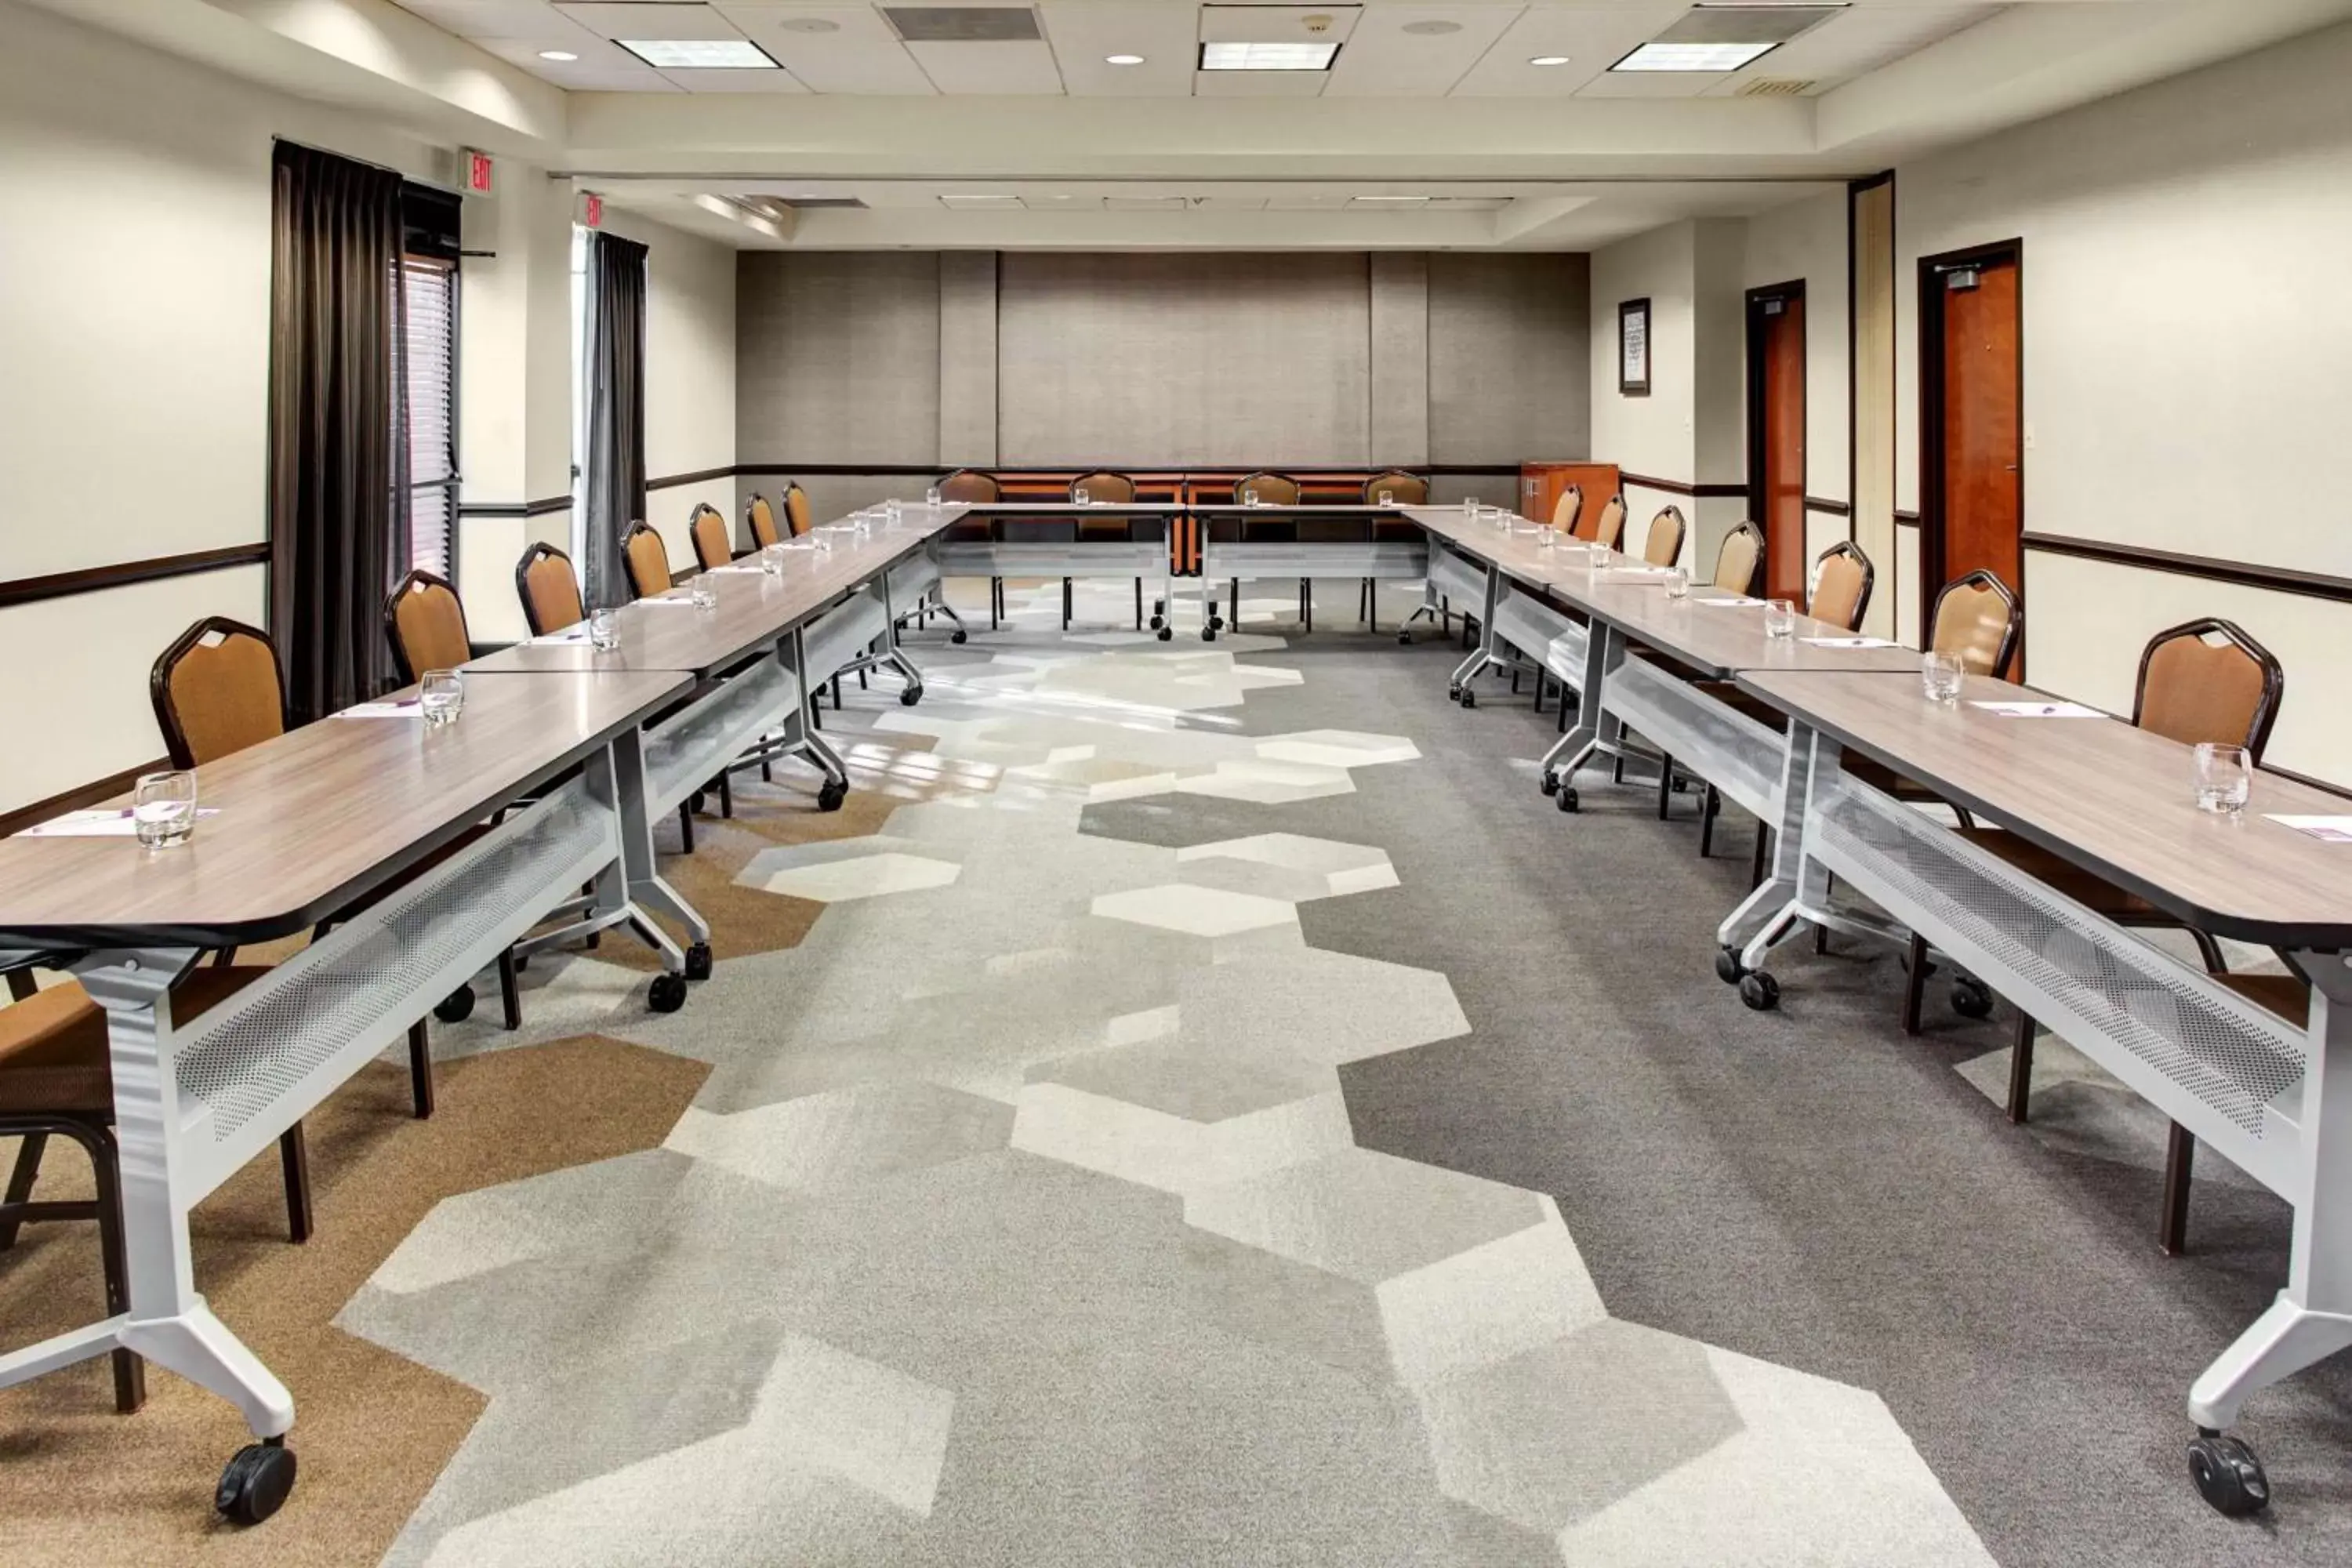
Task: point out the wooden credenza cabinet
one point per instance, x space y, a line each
1540 485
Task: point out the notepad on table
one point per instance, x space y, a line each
403 708
2326 829
96 824
1848 642
2037 710
1735 602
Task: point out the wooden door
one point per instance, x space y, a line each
1777 435
1977 479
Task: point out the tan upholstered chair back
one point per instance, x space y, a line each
1609 523
427 626
714 541
1663 545
1267 489
1740 561
970 488
761 519
1408 489
649 561
1565 510
216 692
1842 581
1104 485
549 590
797 515
1976 617
2207 680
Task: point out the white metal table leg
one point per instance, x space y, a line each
1603 647
643 882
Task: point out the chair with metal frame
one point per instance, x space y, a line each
1739 560
2204 680
1118 489
648 560
1608 523
1663 545
1405 489
760 521
970 486
1264 487
1568 509
549 590
799 516
714 542
57 1080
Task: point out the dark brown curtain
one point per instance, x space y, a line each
335 548
617 411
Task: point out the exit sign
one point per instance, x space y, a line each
592 210
477 173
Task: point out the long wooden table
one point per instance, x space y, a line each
2274 1095
311 823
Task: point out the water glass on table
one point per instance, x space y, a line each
1082 496
1388 497
1677 583
2225 778
604 631
771 560
704 596
442 694
163 808
1939 678
1780 618
932 498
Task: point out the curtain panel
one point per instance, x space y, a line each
334 342
617 411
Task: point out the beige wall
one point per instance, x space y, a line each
134 331
690 375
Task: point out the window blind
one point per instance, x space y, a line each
428 402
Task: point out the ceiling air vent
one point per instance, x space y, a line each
963 23
1774 86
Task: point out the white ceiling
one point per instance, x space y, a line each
1479 49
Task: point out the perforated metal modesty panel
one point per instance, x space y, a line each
1457 578
1740 756
2120 987
253 1058
1328 559
1055 558
686 751
910 580
1544 634
842 634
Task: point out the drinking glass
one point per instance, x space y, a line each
1677 583
1780 618
1083 496
442 694
163 808
1470 508
1939 678
932 498
604 631
892 512
771 560
706 598
821 539
1388 497
1546 538
2225 778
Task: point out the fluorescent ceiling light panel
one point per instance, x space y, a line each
1392 201
687 54
1548 60
977 201
1122 59
1692 57
557 55
1235 57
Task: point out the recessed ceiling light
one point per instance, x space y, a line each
1546 59
557 55
1655 57
699 54
1433 29
810 25
1123 60
1238 57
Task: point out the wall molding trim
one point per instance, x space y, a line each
894 471
91 579
515 507
1832 508
700 475
2279 579
1905 519
77 797
1677 487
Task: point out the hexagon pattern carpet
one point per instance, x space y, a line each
1020 1219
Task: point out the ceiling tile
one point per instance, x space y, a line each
1593 39
609 19
1383 60
1276 23
1856 43
972 68
859 56
487 18
726 80
1259 84
603 66
1083 32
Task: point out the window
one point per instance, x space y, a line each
428 447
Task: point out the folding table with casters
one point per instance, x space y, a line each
2272 1095
305 826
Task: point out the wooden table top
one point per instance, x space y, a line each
313 820
754 610
2104 796
1716 640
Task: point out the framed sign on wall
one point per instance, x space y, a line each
1633 348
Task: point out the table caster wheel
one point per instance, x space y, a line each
830 796
1404 640
456 1008
1157 621
1681 784
1208 634
960 634
1216 623
1727 967
1565 798
2228 1476
1453 691
667 993
910 696
1469 698
697 962
695 802
1759 990
256 1481
1970 999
